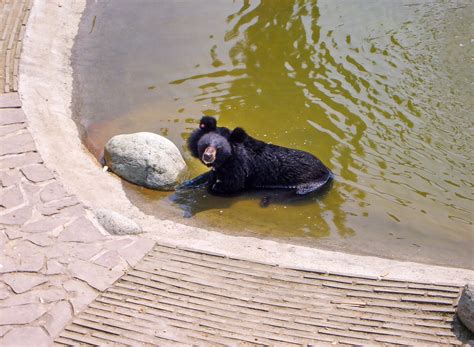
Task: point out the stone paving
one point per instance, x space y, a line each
54 257
63 278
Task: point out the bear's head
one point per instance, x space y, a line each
213 149
213 144
206 125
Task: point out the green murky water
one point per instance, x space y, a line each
380 91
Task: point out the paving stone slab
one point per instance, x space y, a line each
31 262
11 128
7 264
54 207
118 243
96 276
20 248
17 216
10 100
38 296
133 252
13 233
31 192
53 191
80 293
22 314
9 178
67 252
11 197
42 239
11 116
19 160
22 282
110 260
53 267
17 144
24 336
58 317
4 329
44 225
4 292
81 230
68 211
3 237
37 173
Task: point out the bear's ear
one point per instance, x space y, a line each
238 135
208 123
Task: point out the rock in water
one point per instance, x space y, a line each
146 159
465 309
115 223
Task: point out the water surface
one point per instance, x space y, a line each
380 91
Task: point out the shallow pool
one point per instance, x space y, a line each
380 91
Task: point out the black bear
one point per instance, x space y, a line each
240 162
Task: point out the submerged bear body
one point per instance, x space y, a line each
240 162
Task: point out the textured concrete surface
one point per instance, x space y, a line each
181 297
56 259
13 18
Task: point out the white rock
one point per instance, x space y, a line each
146 159
465 309
115 223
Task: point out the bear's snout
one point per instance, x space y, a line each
209 155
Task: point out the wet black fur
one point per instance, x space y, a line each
248 163
206 125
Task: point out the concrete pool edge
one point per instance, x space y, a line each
46 89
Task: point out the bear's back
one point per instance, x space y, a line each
273 165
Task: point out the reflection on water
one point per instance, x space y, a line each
380 91
195 198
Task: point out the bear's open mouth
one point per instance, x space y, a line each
209 155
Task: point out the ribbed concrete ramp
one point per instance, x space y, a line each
182 297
